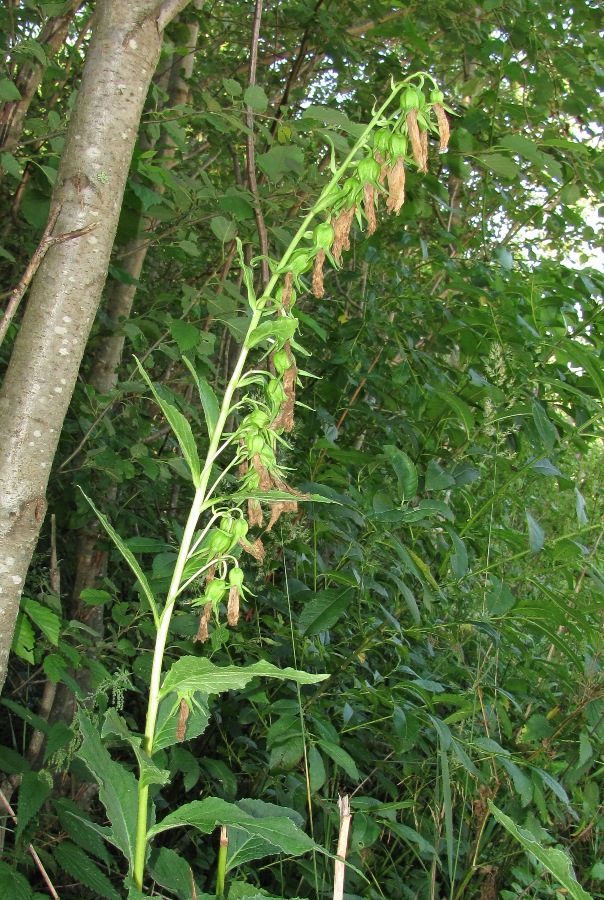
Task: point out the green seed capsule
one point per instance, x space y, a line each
236 576
267 456
436 96
275 391
381 141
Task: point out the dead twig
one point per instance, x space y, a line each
340 864
47 241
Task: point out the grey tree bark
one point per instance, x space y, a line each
65 293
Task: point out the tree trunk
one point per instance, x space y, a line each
65 293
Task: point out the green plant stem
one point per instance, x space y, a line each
200 499
221 863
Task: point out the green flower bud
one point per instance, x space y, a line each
257 419
240 529
219 542
398 145
323 236
236 576
282 361
436 96
267 456
299 262
254 443
381 141
410 99
226 524
368 169
275 391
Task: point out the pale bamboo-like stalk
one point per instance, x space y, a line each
340 865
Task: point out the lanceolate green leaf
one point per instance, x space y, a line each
555 861
209 401
128 556
324 610
190 674
181 428
117 788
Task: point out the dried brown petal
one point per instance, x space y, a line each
202 631
341 227
265 482
183 715
256 549
210 574
254 513
419 145
317 274
286 293
369 207
396 186
279 507
443 126
243 467
233 605
285 419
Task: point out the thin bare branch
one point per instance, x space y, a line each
250 141
46 242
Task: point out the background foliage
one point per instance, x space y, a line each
450 585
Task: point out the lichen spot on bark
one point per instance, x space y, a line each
132 44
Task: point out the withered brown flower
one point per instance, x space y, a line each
443 125
341 227
396 186
233 605
419 144
318 288
369 207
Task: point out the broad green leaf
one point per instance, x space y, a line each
24 639
11 165
522 783
206 815
323 611
118 790
114 724
171 871
547 431
536 534
209 401
33 792
12 883
142 579
464 413
436 477
341 758
181 428
316 769
280 161
501 165
448 805
167 721
44 618
190 674
185 334
279 331
459 558
80 867
405 471
244 847
555 861
223 229
255 97
95 597
8 91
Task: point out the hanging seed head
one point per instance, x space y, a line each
285 418
265 481
419 145
369 207
443 126
341 227
279 507
318 288
396 186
